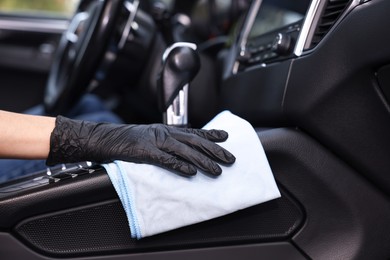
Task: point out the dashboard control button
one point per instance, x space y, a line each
281 44
244 56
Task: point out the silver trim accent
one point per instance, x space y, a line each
305 37
177 113
175 45
74 24
248 24
307 25
132 8
247 27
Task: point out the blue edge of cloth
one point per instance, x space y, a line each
128 200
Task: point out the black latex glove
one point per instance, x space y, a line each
178 149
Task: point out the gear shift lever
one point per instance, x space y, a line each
181 63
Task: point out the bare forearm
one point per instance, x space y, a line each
63 140
25 136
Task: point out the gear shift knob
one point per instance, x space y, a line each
181 63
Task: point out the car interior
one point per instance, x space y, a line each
311 76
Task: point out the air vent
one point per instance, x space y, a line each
332 12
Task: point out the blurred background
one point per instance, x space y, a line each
54 7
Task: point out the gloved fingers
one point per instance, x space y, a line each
209 148
171 162
193 156
212 135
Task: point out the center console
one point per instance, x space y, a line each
270 33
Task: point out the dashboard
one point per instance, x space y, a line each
272 37
270 32
278 30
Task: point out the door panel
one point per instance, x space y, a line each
29 33
321 196
27 47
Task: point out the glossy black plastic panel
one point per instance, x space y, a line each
257 94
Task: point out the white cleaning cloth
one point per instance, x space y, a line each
156 200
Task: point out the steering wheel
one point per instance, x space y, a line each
80 52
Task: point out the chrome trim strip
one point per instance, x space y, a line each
307 25
34 25
177 112
71 34
246 29
303 39
132 8
176 45
249 23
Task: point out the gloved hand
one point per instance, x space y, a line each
178 149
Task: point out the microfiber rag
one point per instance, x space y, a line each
157 200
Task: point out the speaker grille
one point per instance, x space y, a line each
103 228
